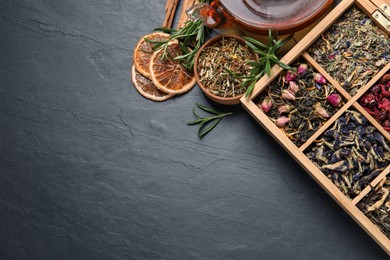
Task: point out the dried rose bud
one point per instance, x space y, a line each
319 78
284 109
320 110
288 94
266 105
334 99
293 87
290 76
302 68
282 121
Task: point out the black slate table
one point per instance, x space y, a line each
91 170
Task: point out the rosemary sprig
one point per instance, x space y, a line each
190 38
206 124
267 59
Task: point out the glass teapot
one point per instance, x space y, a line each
258 16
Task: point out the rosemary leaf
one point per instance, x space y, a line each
209 128
206 124
267 59
207 109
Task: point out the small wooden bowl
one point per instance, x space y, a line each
215 98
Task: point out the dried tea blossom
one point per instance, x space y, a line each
376 206
334 100
377 102
351 153
288 94
302 68
352 50
319 78
290 76
282 121
320 110
266 105
300 105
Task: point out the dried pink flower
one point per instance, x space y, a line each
266 105
288 94
320 110
282 121
293 87
290 76
284 109
319 78
334 99
302 68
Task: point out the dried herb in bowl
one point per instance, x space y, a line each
226 53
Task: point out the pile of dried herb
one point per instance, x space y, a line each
300 102
377 101
352 50
376 206
214 60
351 153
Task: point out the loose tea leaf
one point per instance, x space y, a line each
228 53
351 153
206 124
376 206
352 50
298 104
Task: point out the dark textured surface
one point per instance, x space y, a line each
91 170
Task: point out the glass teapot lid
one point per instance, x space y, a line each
281 15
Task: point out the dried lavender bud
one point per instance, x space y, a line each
319 78
293 87
320 110
288 94
284 109
290 76
302 68
266 105
282 121
334 100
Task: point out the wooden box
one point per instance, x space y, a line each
378 12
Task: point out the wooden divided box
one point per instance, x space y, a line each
333 114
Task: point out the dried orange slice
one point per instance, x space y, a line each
167 74
146 87
142 51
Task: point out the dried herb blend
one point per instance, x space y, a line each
300 102
352 50
351 153
230 54
377 101
376 206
